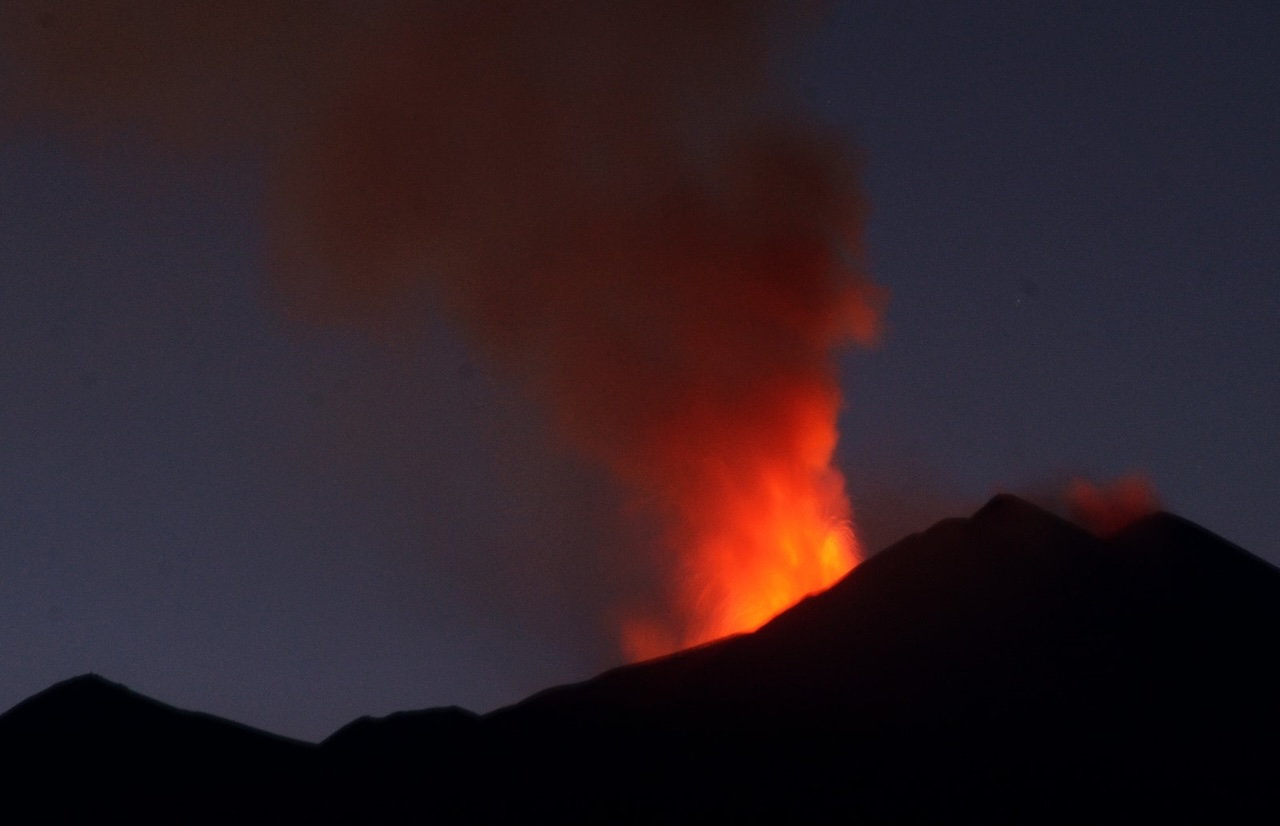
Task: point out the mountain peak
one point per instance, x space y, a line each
1009 665
72 696
1006 506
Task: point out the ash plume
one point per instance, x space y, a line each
608 197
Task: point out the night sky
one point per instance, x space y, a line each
1075 210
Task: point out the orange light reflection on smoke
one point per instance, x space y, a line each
756 550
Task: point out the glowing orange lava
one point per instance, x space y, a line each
765 531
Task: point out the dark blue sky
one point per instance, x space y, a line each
1076 211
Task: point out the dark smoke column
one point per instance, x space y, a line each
601 193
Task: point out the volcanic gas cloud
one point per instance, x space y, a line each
610 199
1107 509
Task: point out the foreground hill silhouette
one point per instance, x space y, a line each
1005 665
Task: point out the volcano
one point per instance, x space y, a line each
1008 665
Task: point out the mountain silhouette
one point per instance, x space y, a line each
1008 665
88 746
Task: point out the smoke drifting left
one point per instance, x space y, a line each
602 194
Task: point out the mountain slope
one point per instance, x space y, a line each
86 746
1005 665
1009 663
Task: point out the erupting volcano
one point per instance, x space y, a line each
615 210
1006 667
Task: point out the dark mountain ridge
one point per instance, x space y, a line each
1008 665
